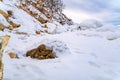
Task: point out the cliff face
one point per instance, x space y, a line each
32 13
45 10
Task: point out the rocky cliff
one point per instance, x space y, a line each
33 15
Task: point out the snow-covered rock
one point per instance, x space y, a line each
58 47
30 16
108 27
88 24
3 21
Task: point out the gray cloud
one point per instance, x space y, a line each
87 5
102 9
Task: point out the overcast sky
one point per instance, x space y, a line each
103 10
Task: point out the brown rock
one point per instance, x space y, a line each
42 47
45 26
40 19
14 25
5 40
41 9
31 52
10 13
2 26
38 32
41 52
10 28
13 55
51 17
4 14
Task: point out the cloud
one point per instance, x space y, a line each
86 5
107 10
78 16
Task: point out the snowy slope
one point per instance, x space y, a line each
89 51
27 24
92 57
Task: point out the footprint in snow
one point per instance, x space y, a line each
94 55
94 64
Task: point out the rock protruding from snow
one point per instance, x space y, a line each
3 43
13 55
32 17
58 47
45 10
48 49
41 52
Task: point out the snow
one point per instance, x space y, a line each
87 24
3 21
90 56
92 53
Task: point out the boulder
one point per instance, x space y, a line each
90 24
41 52
13 55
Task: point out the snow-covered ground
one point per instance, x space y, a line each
91 56
89 51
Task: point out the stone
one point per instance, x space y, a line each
38 32
2 27
3 43
13 55
10 13
41 52
40 19
4 14
14 25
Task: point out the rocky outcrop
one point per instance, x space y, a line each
44 12
41 52
3 42
25 15
4 14
11 23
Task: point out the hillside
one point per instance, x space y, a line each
21 15
44 44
